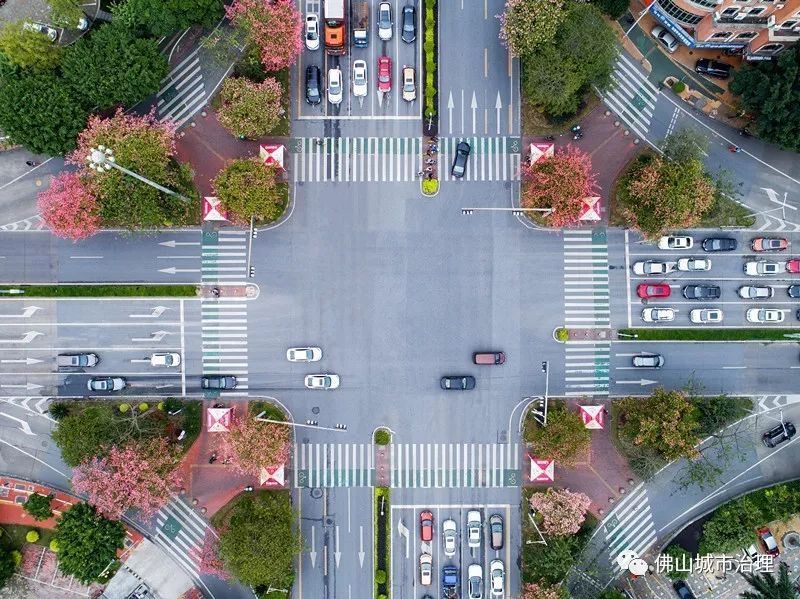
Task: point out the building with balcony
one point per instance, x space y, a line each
755 29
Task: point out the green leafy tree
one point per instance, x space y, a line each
717 411
684 145
681 561
613 8
248 109
131 69
8 565
549 562
38 506
248 187
37 111
28 49
612 593
526 25
158 18
767 586
65 13
555 76
564 439
666 422
260 540
731 527
87 542
771 91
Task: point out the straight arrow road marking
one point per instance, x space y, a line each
450 106
27 361
26 386
361 545
157 336
403 532
474 106
172 270
337 555
27 338
27 313
641 382
22 424
313 553
498 105
173 243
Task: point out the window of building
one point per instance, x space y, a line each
677 13
755 11
731 11
747 35
790 24
721 35
770 49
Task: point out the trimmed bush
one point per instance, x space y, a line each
124 407
679 87
32 536
144 406
382 437
54 546
380 576
17 557
430 186
562 334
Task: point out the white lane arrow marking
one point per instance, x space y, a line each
26 361
498 105
157 311
22 424
313 553
39 405
26 386
173 243
157 336
641 382
403 532
361 545
26 313
172 270
450 106
337 555
474 106
27 338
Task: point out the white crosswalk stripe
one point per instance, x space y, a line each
586 368
181 533
630 526
631 96
586 294
390 159
412 465
224 320
183 93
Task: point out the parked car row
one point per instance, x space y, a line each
466 382
359 82
90 360
313 34
450 577
715 315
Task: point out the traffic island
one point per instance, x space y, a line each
429 184
383 530
712 335
103 290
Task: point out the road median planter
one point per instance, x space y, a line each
382 539
718 334
104 290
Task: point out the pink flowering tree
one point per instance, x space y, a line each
542 590
252 445
562 512
559 183
68 208
249 109
275 26
526 25
210 561
138 475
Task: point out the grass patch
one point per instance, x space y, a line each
703 334
13 536
535 122
271 410
102 290
727 213
430 85
382 545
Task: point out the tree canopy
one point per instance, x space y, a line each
87 542
275 27
28 49
249 109
7 566
37 111
68 208
248 187
260 540
527 25
38 506
771 90
131 69
252 445
562 512
564 439
765 585
158 18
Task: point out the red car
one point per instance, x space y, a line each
647 290
426 526
384 74
793 265
768 541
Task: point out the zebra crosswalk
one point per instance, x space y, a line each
586 291
412 465
631 97
587 368
630 526
183 93
398 159
224 319
181 533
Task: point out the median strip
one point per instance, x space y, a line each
103 290
702 334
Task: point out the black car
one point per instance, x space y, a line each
683 590
460 163
701 292
719 244
793 291
409 24
713 68
313 94
218 381
778 434
461 382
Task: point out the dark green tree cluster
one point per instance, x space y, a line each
556 76
38 506
87 542
770 90
158 18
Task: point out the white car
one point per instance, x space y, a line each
335 86
322 381
360 78
694 264
497 577
312 31
665 37
426 569
474 528
760 268
765 315
675 242
705 315
304 354
449 537
106 383
652 267
385 21
756 292
475 581
409 84
658 314
165 359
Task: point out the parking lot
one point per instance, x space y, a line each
374 105
727 272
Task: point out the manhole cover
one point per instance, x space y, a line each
328 521
316 493
315 410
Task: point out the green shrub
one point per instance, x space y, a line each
562 334
160 406
17 557
382 437
143 407
380 576
172 405
58 410
613 8
124 407
430 186
681 558
38 506
679 87
54 545
32 536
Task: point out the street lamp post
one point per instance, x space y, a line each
341 428
514 211
101 159
546 369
